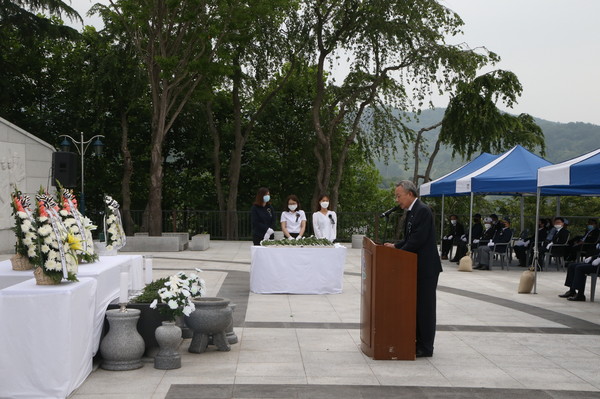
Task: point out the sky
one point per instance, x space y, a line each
553 46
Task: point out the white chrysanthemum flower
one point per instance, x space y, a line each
30 236
49 240
74 229
111 219
187 310
53 265
52 254
27 241
63 213
22 215
185 293
153 304
113 230
42 219
31 252
45 248
109 247
194 289
173 304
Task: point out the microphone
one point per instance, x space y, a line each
331 218
389 211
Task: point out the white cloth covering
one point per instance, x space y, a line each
281 270
322 225
46 338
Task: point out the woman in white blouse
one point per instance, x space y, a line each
293 219
324 220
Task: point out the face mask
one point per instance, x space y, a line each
453 222
558 226
487 225
324 204
292 207
266 198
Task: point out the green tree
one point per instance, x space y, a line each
473 123
391 47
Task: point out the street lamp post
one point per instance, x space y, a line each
82 146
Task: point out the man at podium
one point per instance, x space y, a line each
420 238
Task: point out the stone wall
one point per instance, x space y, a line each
25 161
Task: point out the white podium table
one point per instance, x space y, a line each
305 270
46 338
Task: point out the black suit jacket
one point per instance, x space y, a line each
476 231
420 238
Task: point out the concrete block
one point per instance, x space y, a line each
200 242
357 240
152 244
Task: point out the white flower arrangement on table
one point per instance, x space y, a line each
25 228
178 293
78 225
113 226
311 241
57 248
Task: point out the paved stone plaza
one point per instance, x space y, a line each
492 342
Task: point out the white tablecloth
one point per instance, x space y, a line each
46 344
284 270
9 277
41 311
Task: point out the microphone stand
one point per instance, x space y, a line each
387 219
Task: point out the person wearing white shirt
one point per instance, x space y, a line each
324 220
293 219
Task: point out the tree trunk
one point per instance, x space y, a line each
126 180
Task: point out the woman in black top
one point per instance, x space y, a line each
262 216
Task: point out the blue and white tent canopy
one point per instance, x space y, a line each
578 176
512 173
446 185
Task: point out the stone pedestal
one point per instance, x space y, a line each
169 338
200 242
357 240
122 348
211 317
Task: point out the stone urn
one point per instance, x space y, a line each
168 336
122 348
211 318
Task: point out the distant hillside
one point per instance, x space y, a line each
563 141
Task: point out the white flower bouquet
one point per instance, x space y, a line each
178 292
57 247
25 230
77 225
113 226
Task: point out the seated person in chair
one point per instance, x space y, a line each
585 243
525 245
577 275
486 235
498 244
476 232
455 231
558 241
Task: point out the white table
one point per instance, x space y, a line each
34 310
9 277
306 270
46 336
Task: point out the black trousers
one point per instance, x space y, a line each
426 312
577 275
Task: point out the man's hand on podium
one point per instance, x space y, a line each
389 244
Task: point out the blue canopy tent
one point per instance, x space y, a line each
446 185
577 176
512 173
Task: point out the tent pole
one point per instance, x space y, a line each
557 206
522 212
442 225
469 226
535 262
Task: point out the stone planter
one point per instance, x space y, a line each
200 242
357 240
168 336
20 263
149 321
211 317
122 348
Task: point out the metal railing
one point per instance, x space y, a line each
349 223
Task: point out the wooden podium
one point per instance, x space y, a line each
388 302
